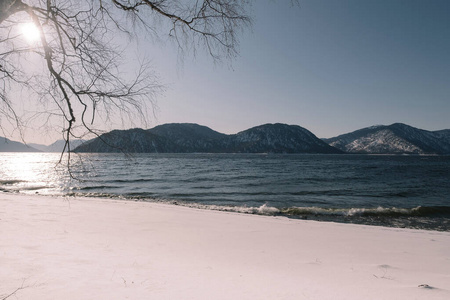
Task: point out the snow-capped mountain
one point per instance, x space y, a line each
397 138
191 138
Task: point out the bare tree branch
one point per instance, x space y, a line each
76 71
13 293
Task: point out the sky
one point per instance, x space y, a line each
329 66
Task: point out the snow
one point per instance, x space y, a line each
56 248
382 141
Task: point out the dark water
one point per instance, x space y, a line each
399 191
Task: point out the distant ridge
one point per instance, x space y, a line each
397 138
57 146
7 145
194 138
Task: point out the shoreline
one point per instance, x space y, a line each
93 248
391 217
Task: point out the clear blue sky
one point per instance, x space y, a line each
329 66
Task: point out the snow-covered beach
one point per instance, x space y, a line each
85 248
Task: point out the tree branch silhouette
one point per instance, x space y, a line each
80 75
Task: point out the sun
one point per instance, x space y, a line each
30 32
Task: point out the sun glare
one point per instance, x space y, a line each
30 32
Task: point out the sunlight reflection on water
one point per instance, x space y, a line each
29 172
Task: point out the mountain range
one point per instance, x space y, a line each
6 145
397 138
194 138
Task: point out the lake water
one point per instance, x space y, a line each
398 191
